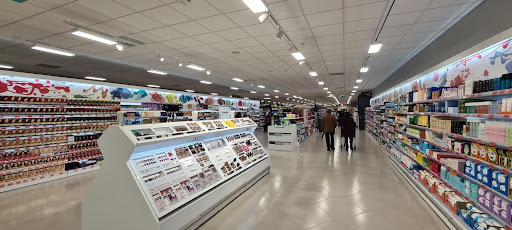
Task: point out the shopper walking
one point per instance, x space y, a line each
268 121
328 127
349 130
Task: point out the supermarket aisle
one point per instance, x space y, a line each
313 189
306 189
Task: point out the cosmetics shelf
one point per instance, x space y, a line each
462 115
172 181
505 92
79 171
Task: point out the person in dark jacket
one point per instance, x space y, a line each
238 115
268 121
349 130
328 127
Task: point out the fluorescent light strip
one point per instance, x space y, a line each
215 94
321 83
52 50
234 88
238 79
326 88
364 69
157 72
353 91
313 74
286 94
95 78
298 56
374 48
6 66
355 87
267 98
189 90
206 82
93 36
153 86
253 92
195 67
266 94
359 80
257 6
261 86
275 90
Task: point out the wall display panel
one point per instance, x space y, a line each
492 61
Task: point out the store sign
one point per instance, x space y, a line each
342 96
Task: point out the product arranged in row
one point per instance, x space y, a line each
477 207
173 177
472 87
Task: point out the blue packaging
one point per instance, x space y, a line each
497 85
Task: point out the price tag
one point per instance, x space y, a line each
491 166
504 171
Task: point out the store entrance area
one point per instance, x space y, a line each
308 188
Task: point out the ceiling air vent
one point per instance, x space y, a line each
336 74
48 66
133 40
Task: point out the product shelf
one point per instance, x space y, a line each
472 96
31 136
8 186
465 176
79 171
462 115
479 141
31 148
25 169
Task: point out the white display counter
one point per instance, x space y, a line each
172 175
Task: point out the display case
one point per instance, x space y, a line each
172 175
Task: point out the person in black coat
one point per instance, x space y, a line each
268 121
349 130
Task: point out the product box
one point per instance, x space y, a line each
503 158
474 150
492 156
482 152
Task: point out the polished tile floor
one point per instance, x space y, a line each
309 188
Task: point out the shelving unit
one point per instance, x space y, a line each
406 128
297 130
172 178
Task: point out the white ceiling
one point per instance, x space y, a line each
333 35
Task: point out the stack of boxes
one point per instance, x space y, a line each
500 182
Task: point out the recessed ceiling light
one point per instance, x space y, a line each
180 65
276 96
119 47
298 56
355 87
267 98
206 82
374 48
189 90
153 86
257 6
238 79
93 36
95 78
266 94
157 72
364 69
313 74
192 66
6 66
234 88
215 94
275 90
321 83
261 86
328 91
352 94
208 72
353 91
326 88
359 80
253 92
286 94
53 50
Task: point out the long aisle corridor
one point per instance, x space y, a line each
309 188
